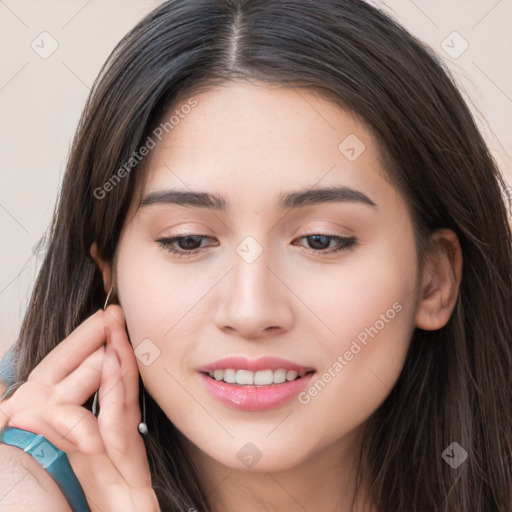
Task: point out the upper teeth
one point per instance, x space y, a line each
261 378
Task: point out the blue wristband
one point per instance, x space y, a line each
52 459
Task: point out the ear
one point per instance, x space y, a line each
440 281
104 267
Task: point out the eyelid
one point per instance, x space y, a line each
325 229
184 229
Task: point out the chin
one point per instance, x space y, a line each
257 457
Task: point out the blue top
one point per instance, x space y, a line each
6 371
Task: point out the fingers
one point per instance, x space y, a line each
77 385
30 395
69 353
116 314
80 384
118 421
107 453
117 337
112 402
74 389
69 427
82 343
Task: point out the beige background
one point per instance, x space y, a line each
41 100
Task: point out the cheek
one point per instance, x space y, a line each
163 307
153 300
372 290
371 316
153 294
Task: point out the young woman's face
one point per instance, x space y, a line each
252 280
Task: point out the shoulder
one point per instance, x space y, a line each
25 485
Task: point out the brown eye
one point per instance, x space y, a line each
187 245
322 243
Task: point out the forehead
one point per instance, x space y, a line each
249 139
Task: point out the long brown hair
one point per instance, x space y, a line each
455 385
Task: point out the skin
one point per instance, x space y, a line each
250 143
106 453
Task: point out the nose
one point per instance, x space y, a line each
254 301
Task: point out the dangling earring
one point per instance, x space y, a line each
94 407
143 428
108 296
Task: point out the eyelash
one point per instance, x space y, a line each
345 244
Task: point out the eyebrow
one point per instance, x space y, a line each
287 201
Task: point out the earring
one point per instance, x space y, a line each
94 407
143 428
108 296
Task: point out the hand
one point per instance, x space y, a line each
106 453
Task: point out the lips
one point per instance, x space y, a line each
245 384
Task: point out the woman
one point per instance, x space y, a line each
301 244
